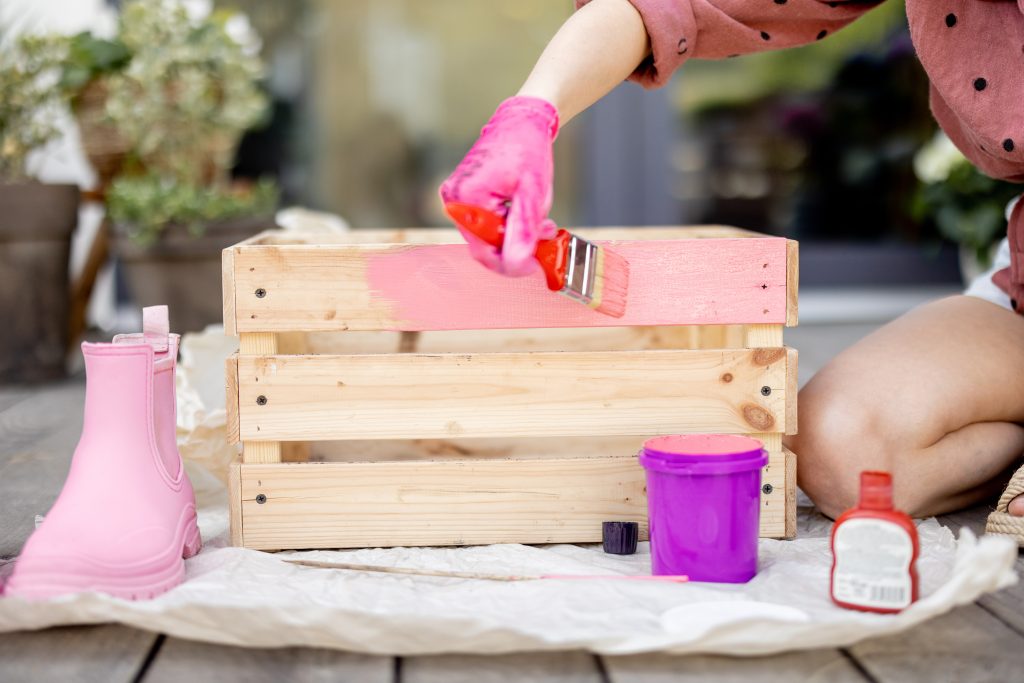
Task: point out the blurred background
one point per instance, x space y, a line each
188 124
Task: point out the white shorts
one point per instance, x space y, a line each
983 287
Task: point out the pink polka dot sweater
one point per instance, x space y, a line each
972 51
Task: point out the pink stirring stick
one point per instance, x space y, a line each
620 577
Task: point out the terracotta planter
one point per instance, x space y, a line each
183 271
36 222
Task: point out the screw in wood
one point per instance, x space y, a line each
766 391
261 499
260 293
261 400
767 489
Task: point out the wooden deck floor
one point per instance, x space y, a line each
38 429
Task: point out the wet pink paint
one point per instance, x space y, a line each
703 444
671 282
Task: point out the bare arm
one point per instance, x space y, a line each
595 50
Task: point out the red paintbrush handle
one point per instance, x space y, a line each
488 226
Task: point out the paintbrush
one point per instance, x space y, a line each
480 576
587 273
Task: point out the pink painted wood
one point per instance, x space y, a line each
439 287
670 282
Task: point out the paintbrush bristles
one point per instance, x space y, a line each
611 286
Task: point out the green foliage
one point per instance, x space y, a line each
968 207
145 205
28 101
89 57
188 89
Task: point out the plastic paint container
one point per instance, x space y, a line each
704 505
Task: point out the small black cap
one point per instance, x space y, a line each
620 537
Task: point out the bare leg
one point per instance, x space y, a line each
935 397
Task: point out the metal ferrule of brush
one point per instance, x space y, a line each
581 270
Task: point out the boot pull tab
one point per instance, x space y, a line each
156 327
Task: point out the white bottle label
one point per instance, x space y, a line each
872 567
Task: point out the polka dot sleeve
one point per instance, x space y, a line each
715 29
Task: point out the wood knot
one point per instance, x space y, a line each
758 418
768 356
727 377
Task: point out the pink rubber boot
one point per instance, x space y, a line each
126 516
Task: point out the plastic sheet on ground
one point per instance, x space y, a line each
251 598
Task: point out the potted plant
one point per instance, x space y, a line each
86 64
36 219
968 207
181 102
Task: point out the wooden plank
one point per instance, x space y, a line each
89 654
227 266
792 389
440 287
790 465
261 451
12 395
468 502
967 645
550 339
184 660
231 397
37 438
453 502
792 283
814 665
256 344
411 396
1006 605
757 336
236 522
452 236
528 667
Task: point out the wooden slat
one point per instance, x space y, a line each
257 344
185 660
252 344
512 394
452 236
967 645
231 397
792 389
792 283
37 437
758 336
790 465
528 667
236 522
86 654
227 265
818 666
261 451
454 502
439 287
351 505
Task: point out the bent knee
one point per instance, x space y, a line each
840 437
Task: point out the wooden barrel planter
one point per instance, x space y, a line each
36 223
183 270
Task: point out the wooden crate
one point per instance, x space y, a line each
390 391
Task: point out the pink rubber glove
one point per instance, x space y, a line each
509 171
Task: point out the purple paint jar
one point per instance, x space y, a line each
704 505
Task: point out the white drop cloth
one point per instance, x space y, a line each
251 598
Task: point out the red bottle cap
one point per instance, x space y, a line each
875 491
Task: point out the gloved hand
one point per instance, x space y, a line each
509 171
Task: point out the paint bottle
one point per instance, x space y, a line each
874 551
